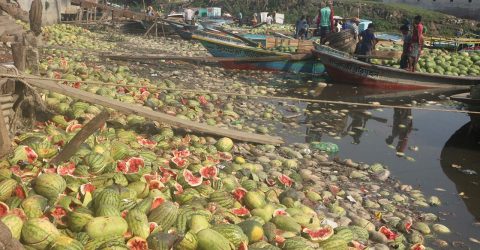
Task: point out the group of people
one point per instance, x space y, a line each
324 23
268 20
412 44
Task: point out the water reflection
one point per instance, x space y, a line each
353 123
460 159
402 126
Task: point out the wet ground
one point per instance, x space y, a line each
436 152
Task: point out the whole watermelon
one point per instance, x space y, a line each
39 233
49 185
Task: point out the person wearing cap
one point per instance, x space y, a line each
367 42
407 40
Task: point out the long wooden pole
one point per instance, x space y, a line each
127 108
143 57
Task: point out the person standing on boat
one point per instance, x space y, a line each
407 40
299 26
269 19
367 42
240 18
353 26
150 11
302 28
195 17
188 15
324 22
417 43
254 20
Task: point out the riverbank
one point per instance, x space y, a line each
387 16
297 196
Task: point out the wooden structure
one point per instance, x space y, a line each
7 99
343 68
300 46
465 98
453 44
89 10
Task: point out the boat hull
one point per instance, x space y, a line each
343 69
310 65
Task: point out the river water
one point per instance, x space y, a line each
432 151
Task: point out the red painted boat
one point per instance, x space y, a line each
343 68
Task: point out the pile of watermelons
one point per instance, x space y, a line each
285 49
442 62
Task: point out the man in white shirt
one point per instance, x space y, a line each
188 15
353 25
269 19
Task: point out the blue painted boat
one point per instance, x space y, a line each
253 58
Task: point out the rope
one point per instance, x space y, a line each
370 105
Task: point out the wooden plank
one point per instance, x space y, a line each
153 115
5 143
74 144
143 57
19 55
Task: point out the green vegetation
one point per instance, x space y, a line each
387 16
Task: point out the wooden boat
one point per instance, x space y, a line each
254 58
454 44
343 68
465 98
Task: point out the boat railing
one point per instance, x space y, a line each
331 51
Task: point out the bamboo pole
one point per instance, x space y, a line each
280 98
127 108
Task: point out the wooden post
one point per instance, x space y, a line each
5 100
19 53
72 146
80 14
5 143
163 30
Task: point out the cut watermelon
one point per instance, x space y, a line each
317 235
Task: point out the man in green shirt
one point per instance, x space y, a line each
324 21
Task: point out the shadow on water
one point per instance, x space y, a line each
460 159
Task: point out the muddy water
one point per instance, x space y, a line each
420 148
